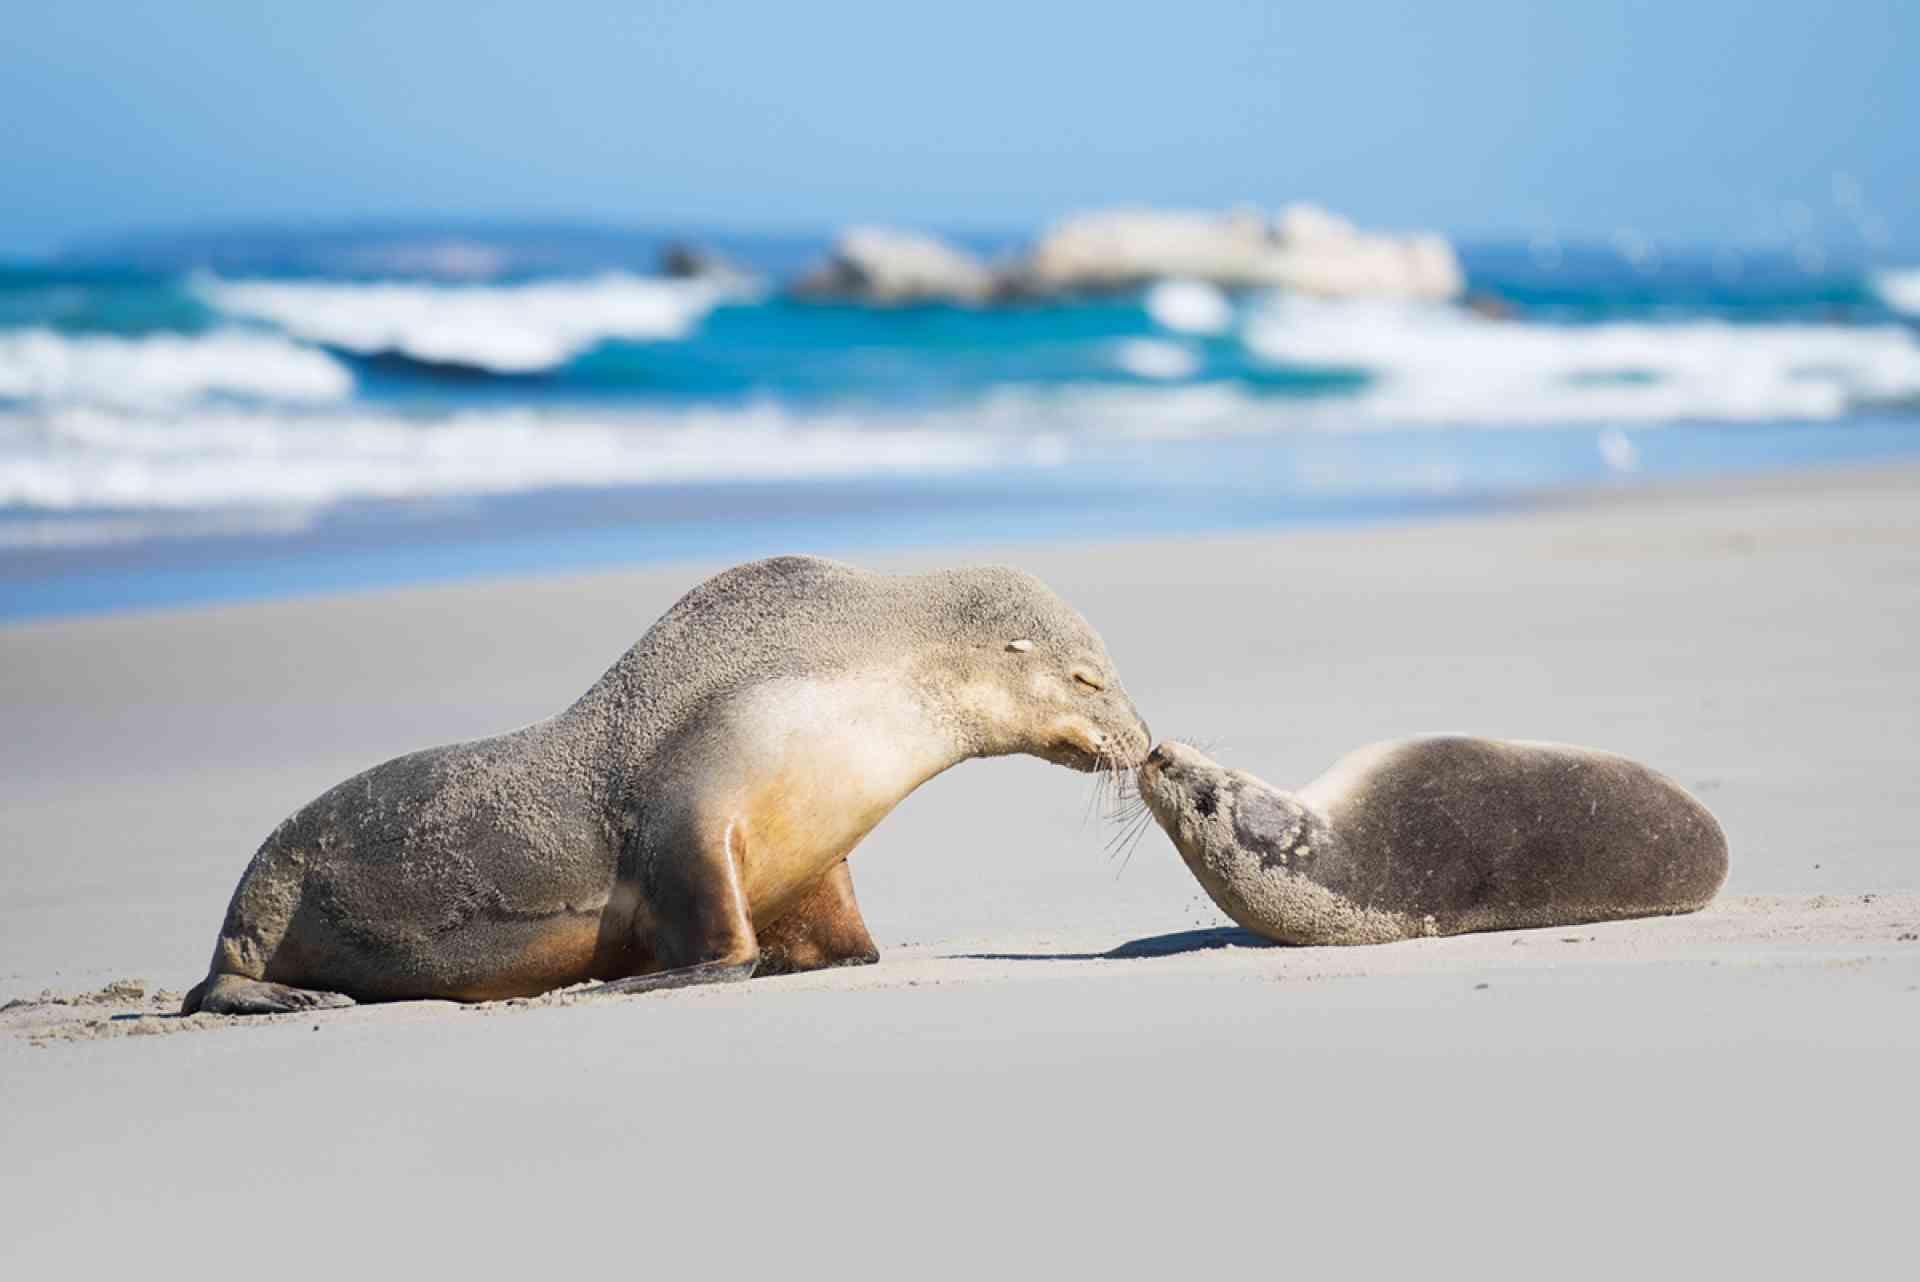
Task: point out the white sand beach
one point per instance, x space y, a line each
1060 1065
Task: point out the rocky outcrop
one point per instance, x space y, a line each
683 260
884 266
1303 248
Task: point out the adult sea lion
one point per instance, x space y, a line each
689 818
1438 836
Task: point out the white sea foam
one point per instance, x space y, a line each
1900 290
509 329
1189 307
71 458
1155 358
42 366
1439 364
1618 450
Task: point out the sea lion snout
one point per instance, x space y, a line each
1110 734
1086 745
1132 750
1180 784
1174 758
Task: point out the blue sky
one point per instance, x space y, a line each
1682 122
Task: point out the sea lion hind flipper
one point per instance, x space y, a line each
235 995
713 972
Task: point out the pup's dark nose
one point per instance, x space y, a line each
1156 757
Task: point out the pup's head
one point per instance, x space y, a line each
1200 802
1181 786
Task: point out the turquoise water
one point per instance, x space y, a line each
227 419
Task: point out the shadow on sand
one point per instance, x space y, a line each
1181 941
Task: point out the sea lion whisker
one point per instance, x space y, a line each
1127 806
1119 784
1092 802
1123 793
1139 832
1125 810
1098 801
1128 836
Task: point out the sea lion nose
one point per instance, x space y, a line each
1156 757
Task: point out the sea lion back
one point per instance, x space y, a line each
783 616
1516 832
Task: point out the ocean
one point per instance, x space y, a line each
231 416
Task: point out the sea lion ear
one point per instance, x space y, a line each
1020 647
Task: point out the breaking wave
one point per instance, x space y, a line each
1899 290
505 329
97 458
1153 358
1189 307
1439 364
39 365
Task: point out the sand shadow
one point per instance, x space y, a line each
1180 941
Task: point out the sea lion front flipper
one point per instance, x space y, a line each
702 922
824 929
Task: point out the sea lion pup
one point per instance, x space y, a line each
688 820
1438 836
